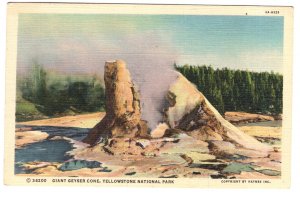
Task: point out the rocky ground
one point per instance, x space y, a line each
26 136
243 117
176 156
79 121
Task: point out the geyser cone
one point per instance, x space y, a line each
188 111
123 113
192 113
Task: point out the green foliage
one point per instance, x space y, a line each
237 90
53 95
25 110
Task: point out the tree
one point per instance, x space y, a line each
236 90
59 95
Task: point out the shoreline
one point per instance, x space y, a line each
156 158
91 119
80 121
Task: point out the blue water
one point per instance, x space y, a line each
70 132
48 150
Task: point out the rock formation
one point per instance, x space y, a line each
123 113
188 112
194 114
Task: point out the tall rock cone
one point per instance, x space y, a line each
123 113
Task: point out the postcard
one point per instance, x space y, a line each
139 95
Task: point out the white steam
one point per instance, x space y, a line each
153 79
150 63
149 58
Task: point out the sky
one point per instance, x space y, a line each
79 43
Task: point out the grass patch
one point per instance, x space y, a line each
26 111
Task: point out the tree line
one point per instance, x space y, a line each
226 89
237 90
54 95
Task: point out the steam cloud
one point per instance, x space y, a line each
148 56
153 80
150 64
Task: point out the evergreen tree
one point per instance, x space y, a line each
236 90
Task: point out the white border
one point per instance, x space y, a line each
167 192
